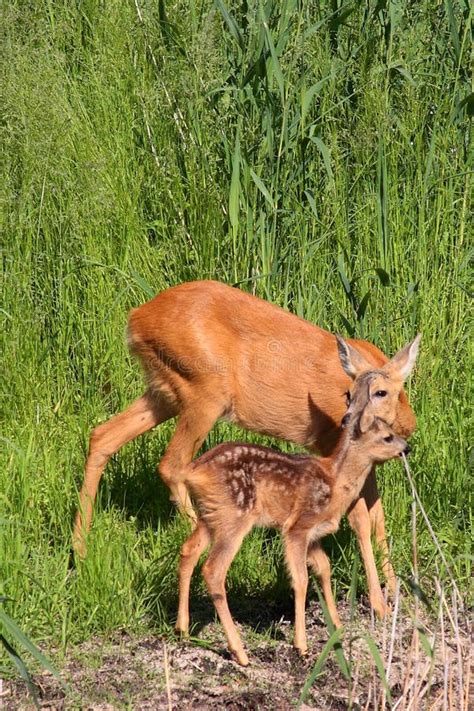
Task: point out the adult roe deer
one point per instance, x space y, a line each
211 351
239 486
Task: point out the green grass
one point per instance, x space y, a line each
317 154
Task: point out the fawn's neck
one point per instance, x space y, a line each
350 465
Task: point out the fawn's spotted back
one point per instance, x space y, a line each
259 480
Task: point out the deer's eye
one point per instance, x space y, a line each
348 398
388 438
381 393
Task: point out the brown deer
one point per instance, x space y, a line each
239 486
210 352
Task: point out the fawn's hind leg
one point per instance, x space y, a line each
296 547
190 552
319 561
223 551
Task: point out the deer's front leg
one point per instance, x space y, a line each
359 520
377 526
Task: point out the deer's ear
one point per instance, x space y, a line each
405 359
366 419
353 363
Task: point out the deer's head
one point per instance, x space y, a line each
375 392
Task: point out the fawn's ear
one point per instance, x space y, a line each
366 419
405 359
353 363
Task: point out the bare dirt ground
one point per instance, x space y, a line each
126 672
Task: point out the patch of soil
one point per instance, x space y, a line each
126 672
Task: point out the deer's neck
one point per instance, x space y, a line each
350 468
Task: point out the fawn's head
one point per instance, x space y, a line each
378 386
375 438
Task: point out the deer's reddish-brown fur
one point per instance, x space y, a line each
210 351
240 486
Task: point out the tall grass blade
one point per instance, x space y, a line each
22 669
275 63
429 526
333 640
142 283
234 192
338 651
324 150
259 183
12 628
379 664
382 203
453 29
308 95
234 29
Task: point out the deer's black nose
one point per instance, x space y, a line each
345 419
407 450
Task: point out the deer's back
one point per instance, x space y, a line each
267 369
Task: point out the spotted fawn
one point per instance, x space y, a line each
239 486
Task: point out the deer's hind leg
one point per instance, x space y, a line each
195 421
105 440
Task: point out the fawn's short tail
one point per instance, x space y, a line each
206 487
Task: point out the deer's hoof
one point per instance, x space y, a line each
381 608
240 657
181 629
302 651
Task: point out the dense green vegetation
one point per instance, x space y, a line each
316 153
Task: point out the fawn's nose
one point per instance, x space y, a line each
407 450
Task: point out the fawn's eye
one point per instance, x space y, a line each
348 398
388 438
381 393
